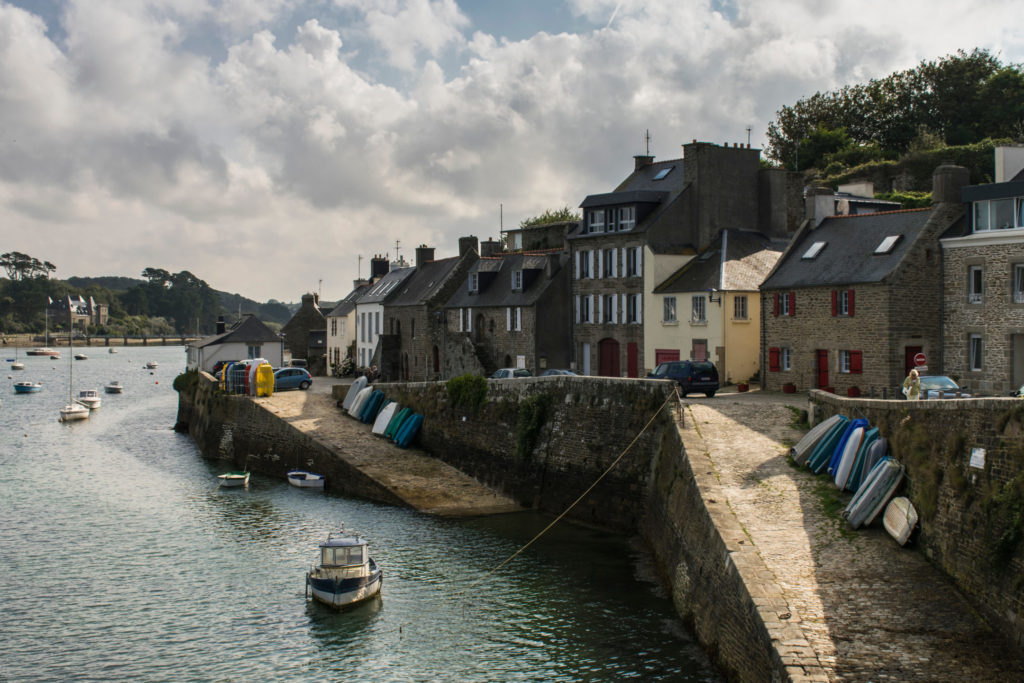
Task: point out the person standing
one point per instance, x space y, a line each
912 386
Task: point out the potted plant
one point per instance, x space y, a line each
853 392
789 388
742 386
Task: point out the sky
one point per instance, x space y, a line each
266 145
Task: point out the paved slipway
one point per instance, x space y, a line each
841 605
423 482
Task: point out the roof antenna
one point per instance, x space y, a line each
748 136
398 259
647 140
501 216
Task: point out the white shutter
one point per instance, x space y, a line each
469 320
462 314
615 309
508 319
590 317
577 255
624 311
622 271
519 319
576 304
639 261
598 263
600 305
640 308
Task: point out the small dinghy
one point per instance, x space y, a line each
111 350
802 450
81 356
152 365
28 387
346 575
234 479
874 493
306 480
900 519
114 388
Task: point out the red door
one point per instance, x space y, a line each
632 360
908 358
665 355
822 368
609 353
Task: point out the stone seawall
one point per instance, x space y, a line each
972 518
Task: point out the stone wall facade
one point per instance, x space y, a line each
996 317
972 518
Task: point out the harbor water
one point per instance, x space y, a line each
121 559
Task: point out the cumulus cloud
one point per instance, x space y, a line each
196 134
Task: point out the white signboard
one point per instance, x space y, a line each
978 458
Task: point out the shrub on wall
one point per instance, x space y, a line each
533 413
467 391
186 381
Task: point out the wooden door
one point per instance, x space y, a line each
608 352
822 368
632 360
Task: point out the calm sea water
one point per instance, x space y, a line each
120 559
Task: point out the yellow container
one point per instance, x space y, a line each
265 380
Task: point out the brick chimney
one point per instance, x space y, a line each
467 243
947 182
379 267
641 160
819 204
489 248
424 255
221 326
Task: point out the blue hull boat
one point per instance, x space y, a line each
346 575
27 387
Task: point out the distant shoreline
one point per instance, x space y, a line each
28 341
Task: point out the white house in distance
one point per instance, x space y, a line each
370 313
247 338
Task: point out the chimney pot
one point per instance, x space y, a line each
424 254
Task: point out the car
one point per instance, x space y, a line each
298 363
219 365
692 376
292 378
941 386
510 373
1019 393
553 371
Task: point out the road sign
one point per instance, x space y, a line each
919 359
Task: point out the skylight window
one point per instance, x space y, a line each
814 250
663 172
887 244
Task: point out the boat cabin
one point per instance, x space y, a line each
343 552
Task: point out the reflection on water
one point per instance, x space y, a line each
120 552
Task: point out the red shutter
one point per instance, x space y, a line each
775 310
773 360
850 309
792 303
855 362
835 303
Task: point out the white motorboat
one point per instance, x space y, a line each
151 365
90 398
306 480
28 387
346 575
74 411
81 356
113 388
111 350
43 351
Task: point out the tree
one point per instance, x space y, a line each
22 266
549 216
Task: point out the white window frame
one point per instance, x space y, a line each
474 282
843 303
985 218
785 359
517 280
784 303
585 264
975 353
608 306
634 303
627 218
595 221
585 308
1017 293
699 309
975 284
608 258
740 310
844 362
669 313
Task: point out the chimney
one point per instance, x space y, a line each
641 160
819 204
489 248
379 267
424 254
947 181
467 243
220 324
360 282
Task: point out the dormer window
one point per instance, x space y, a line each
517 280
596 223
814 250
627 218
999 214
474 283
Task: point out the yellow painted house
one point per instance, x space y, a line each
709 308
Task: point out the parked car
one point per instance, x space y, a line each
940 386
298 363
292 378
553 371
219 365
1019 392
509 373
692 376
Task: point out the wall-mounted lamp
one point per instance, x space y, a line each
711 296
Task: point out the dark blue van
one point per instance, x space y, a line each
692 376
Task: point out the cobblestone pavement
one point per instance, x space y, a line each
842 605
423 482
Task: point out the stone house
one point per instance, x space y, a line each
341 320
983 283
309 318
247 338
84 313
855 298
512 310
712 305
413 348
632 239
369 313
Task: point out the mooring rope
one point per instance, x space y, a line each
583 495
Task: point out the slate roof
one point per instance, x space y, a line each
425 283
641 187
848 256
248 329
749 257
386 287
348 304
499 291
